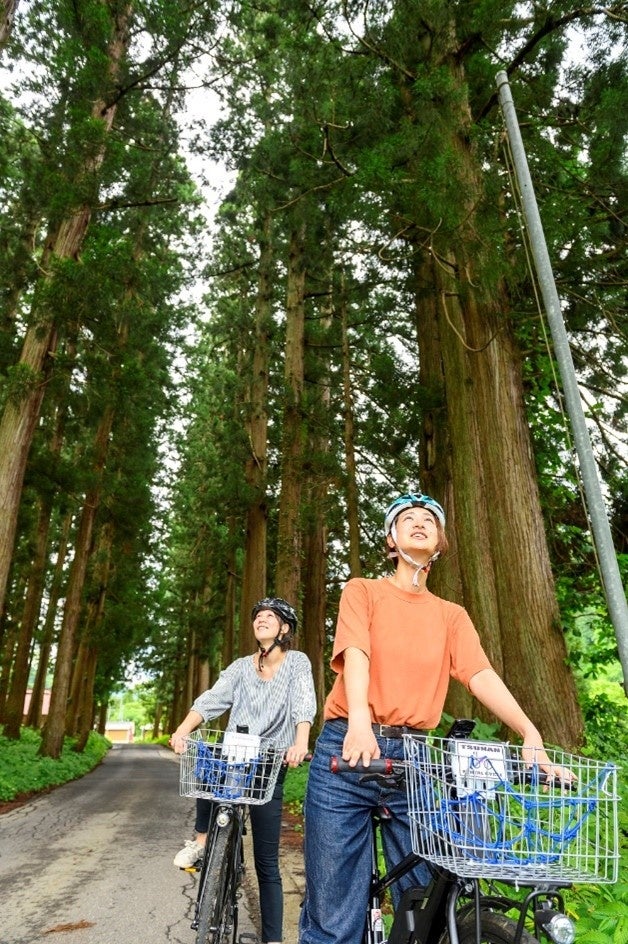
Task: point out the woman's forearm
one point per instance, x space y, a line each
189 723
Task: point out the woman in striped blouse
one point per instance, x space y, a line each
270 693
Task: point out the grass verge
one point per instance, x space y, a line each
23 772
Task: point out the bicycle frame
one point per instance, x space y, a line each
232 771
226 826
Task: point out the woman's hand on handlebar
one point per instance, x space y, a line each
295 755
177 742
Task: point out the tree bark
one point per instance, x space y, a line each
313 636
476 451
9 9
84 713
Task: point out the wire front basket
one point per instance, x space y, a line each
229 767
477 809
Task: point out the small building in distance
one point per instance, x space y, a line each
120 732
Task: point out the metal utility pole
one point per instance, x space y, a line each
611 578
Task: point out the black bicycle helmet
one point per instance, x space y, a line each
281 608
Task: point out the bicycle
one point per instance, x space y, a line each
480 816
234 771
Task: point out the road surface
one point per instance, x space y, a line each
91 862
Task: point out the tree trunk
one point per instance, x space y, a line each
34 718
84 715
316 489
17 426
255 551
229 631
9 9
54 729
476 451
9 643
288 570
500 546
80 707
157 720
21 662
355 559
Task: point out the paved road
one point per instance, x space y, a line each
91 862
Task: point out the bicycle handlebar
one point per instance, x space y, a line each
387 767
380 765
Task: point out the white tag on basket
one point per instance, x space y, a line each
477 766
238 748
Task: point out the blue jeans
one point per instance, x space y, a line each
338 843
265 829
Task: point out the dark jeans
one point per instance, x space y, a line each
338 842
265 827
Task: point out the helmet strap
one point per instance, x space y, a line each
264 652
419 567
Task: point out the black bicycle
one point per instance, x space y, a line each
501 841
234 771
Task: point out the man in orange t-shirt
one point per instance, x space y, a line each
396 646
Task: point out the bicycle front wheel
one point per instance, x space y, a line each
496 929
215 903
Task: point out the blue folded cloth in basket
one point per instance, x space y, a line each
221 777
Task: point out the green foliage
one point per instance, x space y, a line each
19 383
294 787
133 703
601 911
23 771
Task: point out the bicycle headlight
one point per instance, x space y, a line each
223 818
557 926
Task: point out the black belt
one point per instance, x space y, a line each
395 731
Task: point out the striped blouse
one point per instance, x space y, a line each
270 708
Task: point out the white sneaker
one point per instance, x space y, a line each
189 855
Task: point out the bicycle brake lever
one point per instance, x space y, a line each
386 780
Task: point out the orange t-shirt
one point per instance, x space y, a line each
414 642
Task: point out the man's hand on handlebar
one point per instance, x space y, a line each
360 744
534 753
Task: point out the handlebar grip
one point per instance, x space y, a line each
379 765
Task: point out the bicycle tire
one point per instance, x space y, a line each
496 929
214 900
